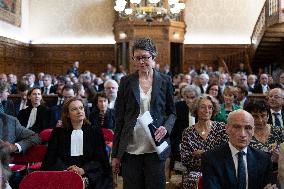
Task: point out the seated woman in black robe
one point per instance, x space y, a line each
79 147
36 116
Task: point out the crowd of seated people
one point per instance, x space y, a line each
200 124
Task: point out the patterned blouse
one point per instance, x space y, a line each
192 141
275 138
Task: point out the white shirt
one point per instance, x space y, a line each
32 118
235 152
279 117
140 142
265 88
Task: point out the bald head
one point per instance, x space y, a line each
240 128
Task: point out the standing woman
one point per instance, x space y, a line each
144 90
36 115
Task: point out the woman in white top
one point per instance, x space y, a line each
145 90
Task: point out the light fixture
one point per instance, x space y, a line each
149 10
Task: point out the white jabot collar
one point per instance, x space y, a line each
77 142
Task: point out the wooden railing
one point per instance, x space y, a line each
269 15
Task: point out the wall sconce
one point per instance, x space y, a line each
176 35
122 35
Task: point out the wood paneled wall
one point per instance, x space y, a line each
56 59
21 58
210 54
15 57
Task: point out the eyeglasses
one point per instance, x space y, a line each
275 96
213 89
143 58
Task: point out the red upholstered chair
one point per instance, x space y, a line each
199 183
32 158
45 134
108 134
52 180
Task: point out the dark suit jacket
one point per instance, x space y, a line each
12 132
42 118
218 169
94 160
52 90
181 123
9 107
258 88
270 117
127 109
108 121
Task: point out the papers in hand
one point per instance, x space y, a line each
146 121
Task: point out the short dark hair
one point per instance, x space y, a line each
145 44
4 86
257 106
96 98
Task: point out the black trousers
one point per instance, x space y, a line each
145 171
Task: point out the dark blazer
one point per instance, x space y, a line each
218 169
52 90
127 109
258 88
42 118
9 107
12 132
94 160
181 123
270 117
108 120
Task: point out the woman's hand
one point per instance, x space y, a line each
115 164
160 133
275 155
197 153
76 169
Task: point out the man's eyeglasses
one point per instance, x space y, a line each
143 58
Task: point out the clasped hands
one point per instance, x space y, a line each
76 169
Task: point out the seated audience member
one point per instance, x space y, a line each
202 136
21 104
262 86
47 88
215 91
80 93
222 82
276 112
12 81
203 80
251 82
4 166
265 138
111 88
17 137
78 147
55 111
36 116
74 69
241 96
228 106
281 80
6 105
235 164
102 116
184 119
281 166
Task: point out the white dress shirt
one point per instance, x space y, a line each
235 152
279 117
77 142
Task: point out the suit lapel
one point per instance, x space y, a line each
134 84
252 169
156 85
230 166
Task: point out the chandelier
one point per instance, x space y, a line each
149 10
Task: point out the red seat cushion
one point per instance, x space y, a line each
36 166
15 167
